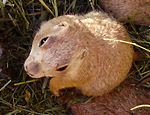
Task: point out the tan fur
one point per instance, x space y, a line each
94 64
125 9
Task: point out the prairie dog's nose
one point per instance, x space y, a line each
33 68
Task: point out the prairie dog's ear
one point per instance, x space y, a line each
62 25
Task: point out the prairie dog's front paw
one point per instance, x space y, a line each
54 91
53 87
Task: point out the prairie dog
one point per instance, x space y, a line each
125 9
80 51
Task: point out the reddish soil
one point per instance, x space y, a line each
116 102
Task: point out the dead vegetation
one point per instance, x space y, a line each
19 21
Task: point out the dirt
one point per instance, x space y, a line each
115 103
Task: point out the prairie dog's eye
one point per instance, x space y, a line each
43 41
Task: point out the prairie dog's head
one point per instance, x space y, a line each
55 51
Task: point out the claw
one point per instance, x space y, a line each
56 93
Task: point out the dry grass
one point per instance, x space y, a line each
18 22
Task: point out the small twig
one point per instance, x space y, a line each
5 102
29 3
5 85
139 106
91 2
55 7
89 99
129 43
31 112
43 3
44 84
26 82
22 12
71 5
132 17
2 8
144 79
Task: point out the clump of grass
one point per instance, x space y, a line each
18 22
141 36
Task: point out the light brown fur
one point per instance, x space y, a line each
77 53
125 9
